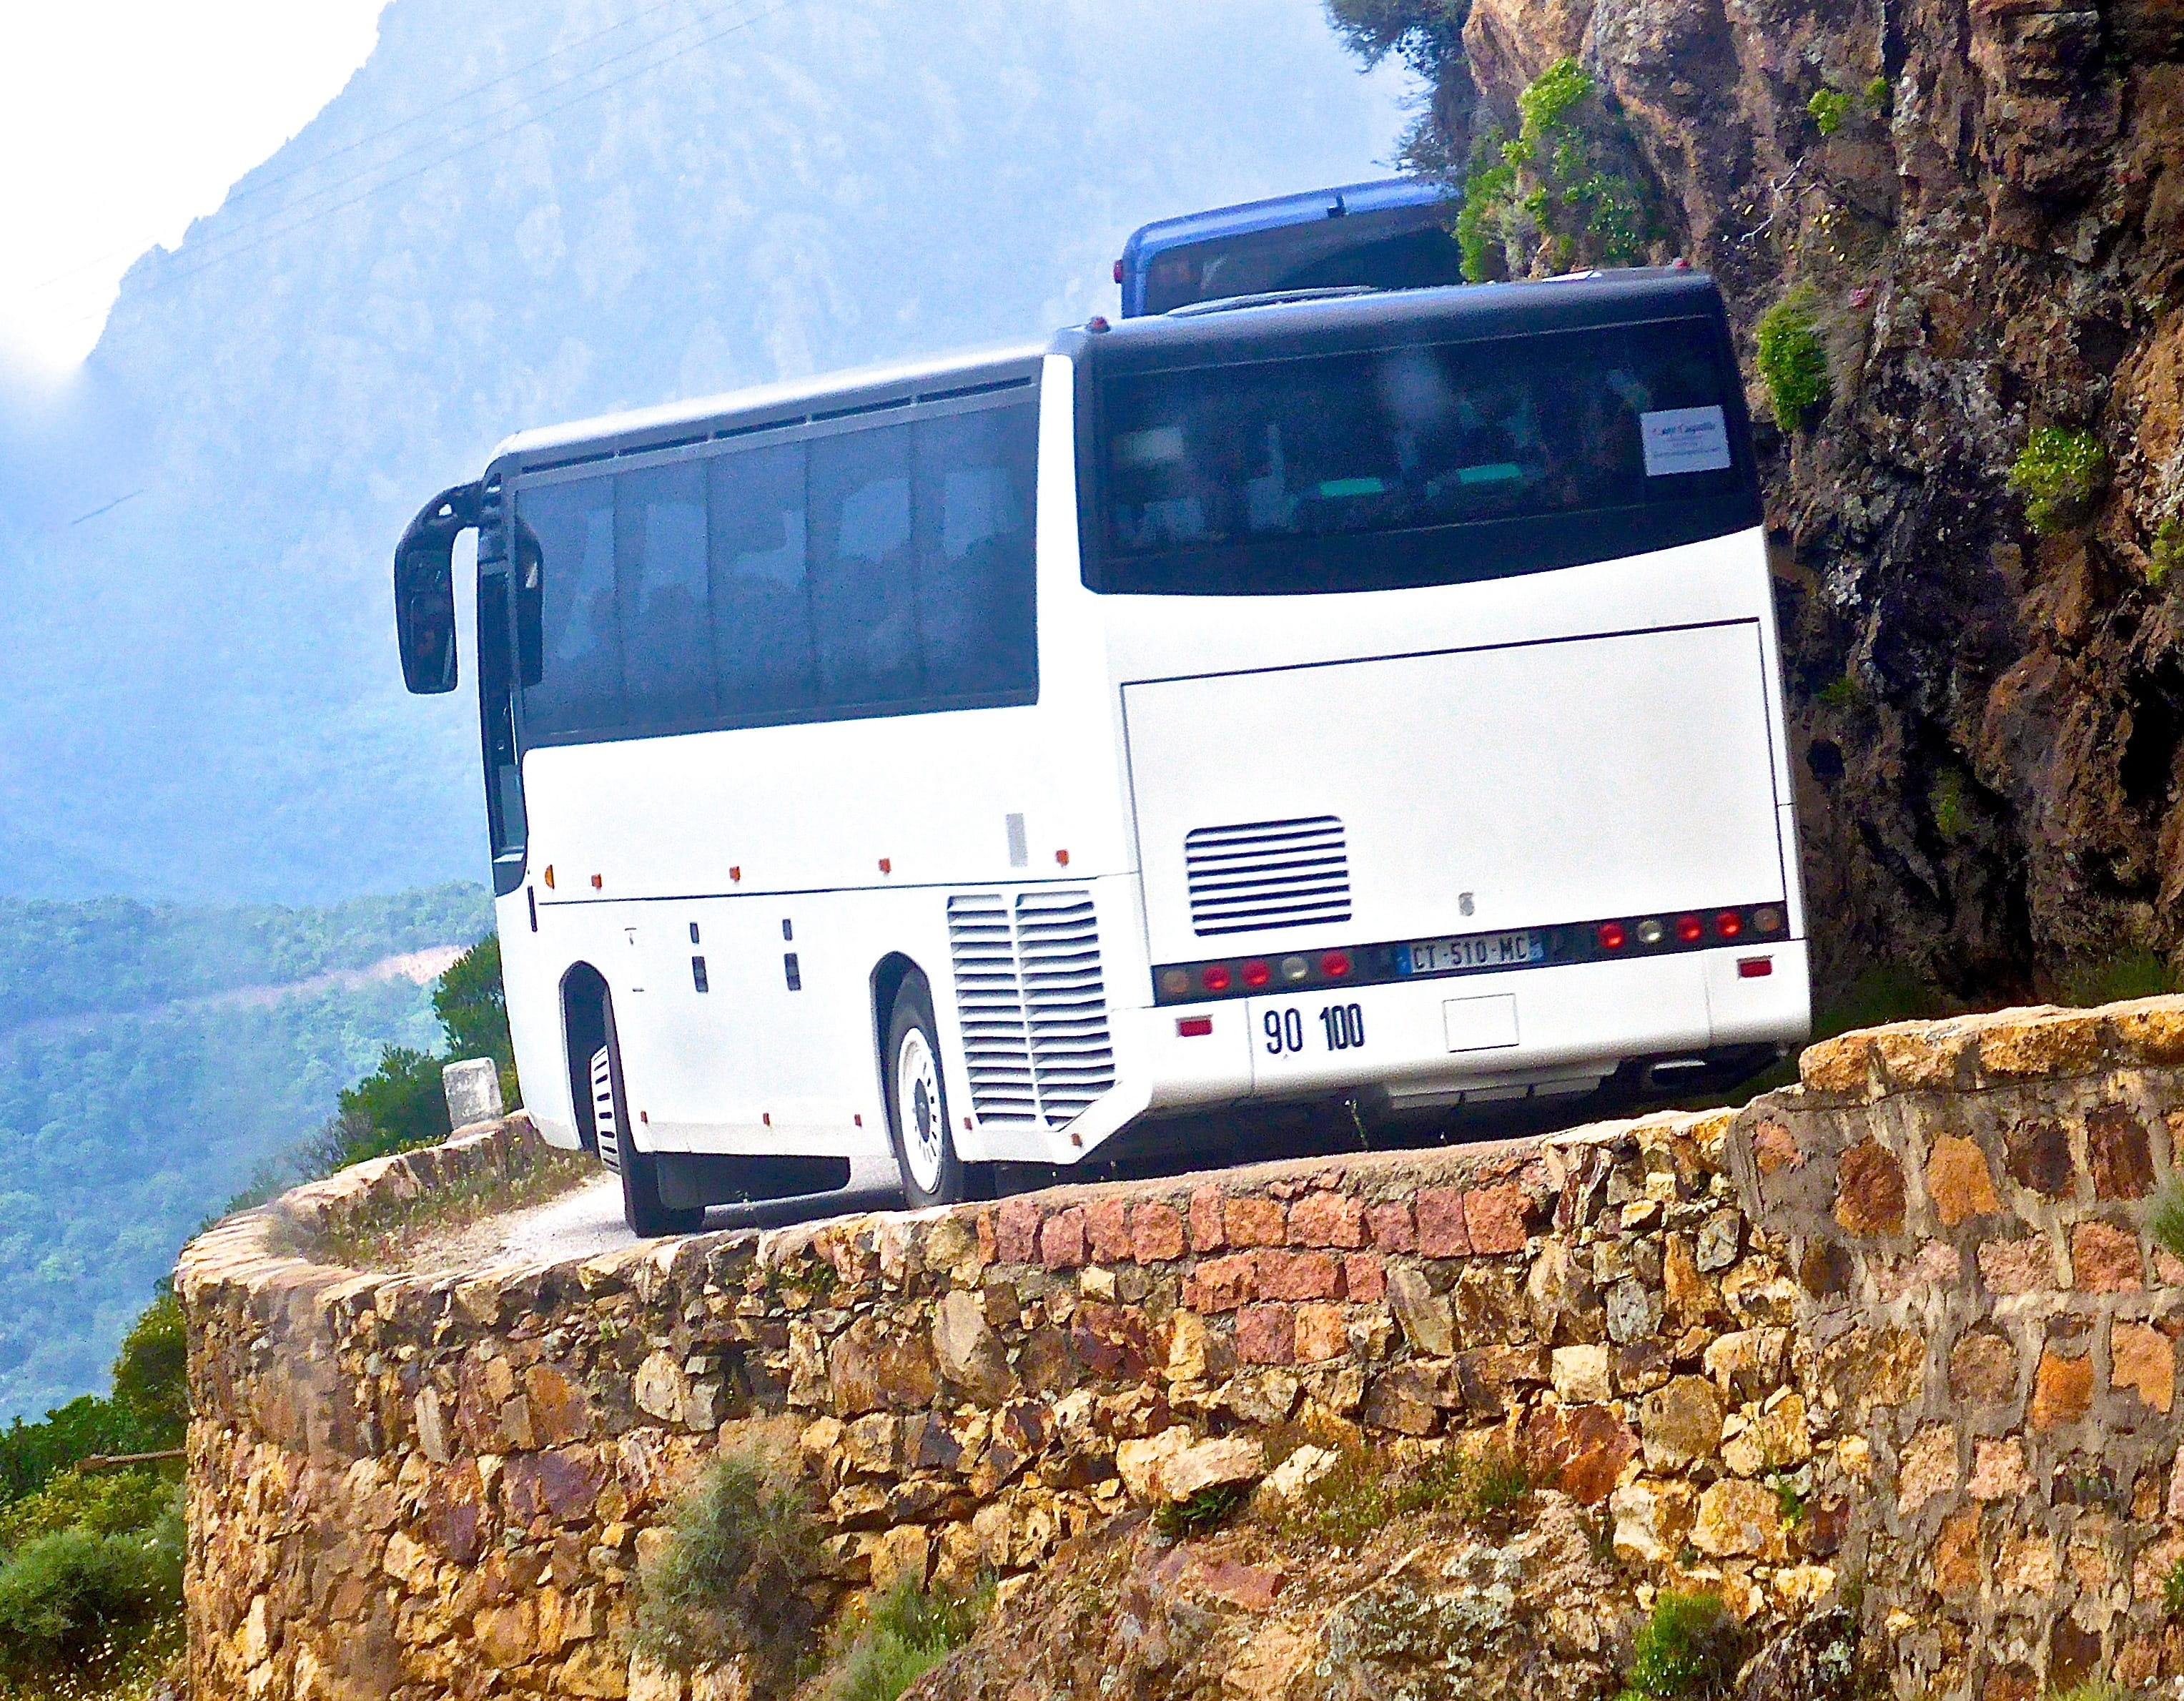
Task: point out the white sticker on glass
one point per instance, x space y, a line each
1685 440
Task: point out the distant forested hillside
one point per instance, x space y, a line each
521 211
145 1078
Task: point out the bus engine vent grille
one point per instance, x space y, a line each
1268 874
1033 1004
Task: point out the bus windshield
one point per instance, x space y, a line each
1427 463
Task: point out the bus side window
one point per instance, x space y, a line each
762 646
661 572
864 591
580 687
975 489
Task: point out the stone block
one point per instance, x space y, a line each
2025 1563
1958 1182
1927 1469
1738 1518
900 1555
1254 1222
1327 1219
1720 1239
1266 1335
1774 1149
1983 1369
2050 1044
1390 1226
2038 1153
1652 1520
1869 1191
2149 1031
969 1353
1364 1279
1838 1067
1229 1462
2011 1267
1680 1424
1016 1231
2144 1360
1494 1219
2105 1259
1405 1398
1998 1468
1441 1233
1206 1233
1155 1233
2119 1153
1580 1450
1218 1284
1322 1334
1142 1463
1107 1230
1427 1318
1956 1563
1580 1374
1282 1274
1061 1244
2062 1389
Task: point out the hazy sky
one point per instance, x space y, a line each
121 120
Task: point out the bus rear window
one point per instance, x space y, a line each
1429 464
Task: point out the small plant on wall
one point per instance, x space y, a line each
2060 473
1545 202
1792 360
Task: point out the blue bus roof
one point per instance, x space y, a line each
1385 195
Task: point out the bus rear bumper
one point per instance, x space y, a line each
1479 1038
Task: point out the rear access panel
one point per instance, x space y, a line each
1454 792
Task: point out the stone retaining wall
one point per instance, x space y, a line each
1897 1328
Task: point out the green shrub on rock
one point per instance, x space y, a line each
1828 107
742 1546
2058 474
1792 360
911 1631
1684 1650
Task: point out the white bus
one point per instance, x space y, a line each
1371 697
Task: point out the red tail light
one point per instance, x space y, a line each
1729 924
1194 1027
1118 272
1335 964
1689 930
1257 974
1215 978
1754 967
1612 936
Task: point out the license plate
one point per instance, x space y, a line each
1472 951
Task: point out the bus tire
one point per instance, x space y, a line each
917 1101
641 1207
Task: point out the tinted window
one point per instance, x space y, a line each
883 571
1266 476
764 667
1408 248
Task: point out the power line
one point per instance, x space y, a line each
281 230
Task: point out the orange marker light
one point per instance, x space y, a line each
549 877
735 876
886 865
1061 857
597 882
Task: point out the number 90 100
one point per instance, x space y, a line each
1342 1026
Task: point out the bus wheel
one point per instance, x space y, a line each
917 1103
641 1207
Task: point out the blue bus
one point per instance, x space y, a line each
1394 234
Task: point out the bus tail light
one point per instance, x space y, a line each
1257 974
1215 978
1754 967
1729 924
1118 272
1335 964
1612 936
1689 930
1194 1027
1767 919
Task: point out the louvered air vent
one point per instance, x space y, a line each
1031 1002
1268 874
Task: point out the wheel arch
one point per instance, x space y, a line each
583 1031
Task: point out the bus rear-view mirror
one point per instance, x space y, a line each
425 589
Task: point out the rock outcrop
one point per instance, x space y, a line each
1893 1342
1988 721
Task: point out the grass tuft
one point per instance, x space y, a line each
1207 1510
1792 359
2058 474
2164 1223
2091 981
1827 108
743 1544
1684 1650
910 1631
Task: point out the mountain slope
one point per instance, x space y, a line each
493 237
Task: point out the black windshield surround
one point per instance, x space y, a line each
1279 451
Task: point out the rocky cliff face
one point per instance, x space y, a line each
1987 719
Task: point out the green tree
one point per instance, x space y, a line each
472 1006
401 1104
1545 202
